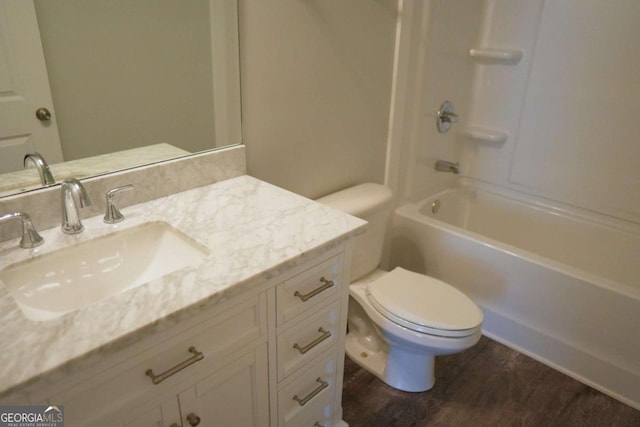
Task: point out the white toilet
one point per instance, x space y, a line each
398 321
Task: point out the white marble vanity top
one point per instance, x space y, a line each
254 231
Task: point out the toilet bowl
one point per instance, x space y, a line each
398 321
397 340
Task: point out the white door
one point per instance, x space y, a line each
24 87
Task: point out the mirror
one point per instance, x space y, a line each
125 82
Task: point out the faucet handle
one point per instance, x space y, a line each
30 237
445 117
112 214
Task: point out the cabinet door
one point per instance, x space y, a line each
165 415
236 395
150 418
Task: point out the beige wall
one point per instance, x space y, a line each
316 84
128 74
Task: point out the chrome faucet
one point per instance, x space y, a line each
73 194
445 166
46 178
30 237
112 214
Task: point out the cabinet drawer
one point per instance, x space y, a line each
297 294
173 362
298 344
308 398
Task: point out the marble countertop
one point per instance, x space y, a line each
253 230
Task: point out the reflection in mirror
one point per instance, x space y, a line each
96 86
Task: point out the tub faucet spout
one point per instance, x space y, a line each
445 166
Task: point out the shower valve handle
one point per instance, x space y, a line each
446 117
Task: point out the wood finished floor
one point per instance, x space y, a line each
487 385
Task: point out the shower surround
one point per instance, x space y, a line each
546 92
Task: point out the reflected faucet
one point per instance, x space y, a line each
46 178
73 196
445 166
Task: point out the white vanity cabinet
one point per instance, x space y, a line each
311 325
168 376
270 356
235 395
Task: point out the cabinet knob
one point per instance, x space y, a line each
193 419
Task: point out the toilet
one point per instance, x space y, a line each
398 321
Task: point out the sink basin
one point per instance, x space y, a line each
56 283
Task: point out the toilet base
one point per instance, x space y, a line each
409 371
371 361
402 370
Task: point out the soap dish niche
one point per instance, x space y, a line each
485 134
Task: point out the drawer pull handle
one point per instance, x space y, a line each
326 284
325 335
317 424
323 384
157 379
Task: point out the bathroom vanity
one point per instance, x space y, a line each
250 334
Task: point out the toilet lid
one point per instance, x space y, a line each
424 304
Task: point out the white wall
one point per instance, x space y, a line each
569 106
316 82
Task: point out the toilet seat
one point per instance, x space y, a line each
424 304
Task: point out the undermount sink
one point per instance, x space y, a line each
65 280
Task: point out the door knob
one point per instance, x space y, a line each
193 419
43 114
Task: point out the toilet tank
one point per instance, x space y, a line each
373 203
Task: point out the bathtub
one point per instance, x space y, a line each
560 287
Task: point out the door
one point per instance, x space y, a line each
24 87
236 395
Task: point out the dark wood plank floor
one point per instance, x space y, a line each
487 385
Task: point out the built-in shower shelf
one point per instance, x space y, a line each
496 55
484 134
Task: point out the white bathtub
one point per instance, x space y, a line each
559 287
